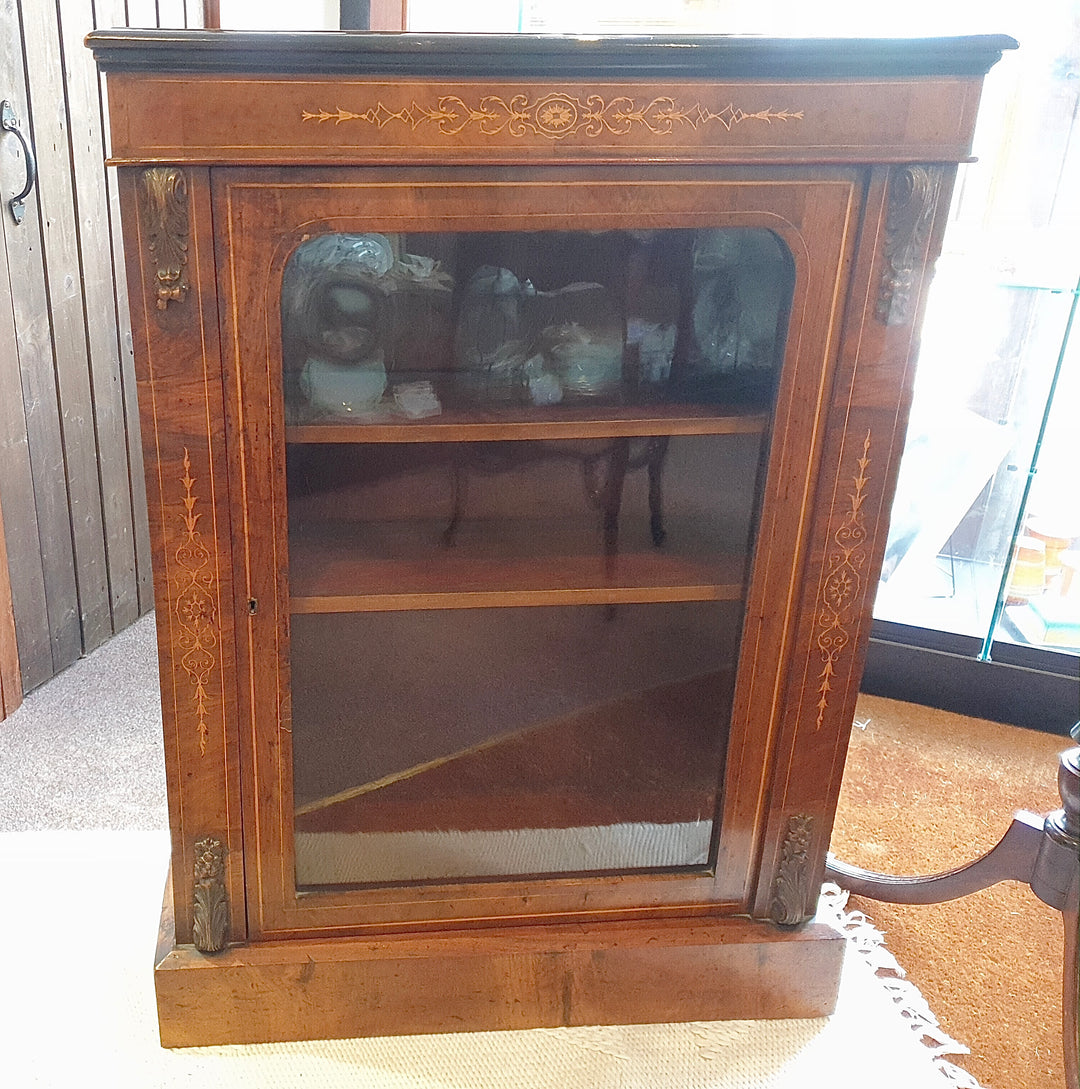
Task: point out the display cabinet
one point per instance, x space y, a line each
521 418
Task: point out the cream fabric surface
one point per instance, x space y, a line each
79 917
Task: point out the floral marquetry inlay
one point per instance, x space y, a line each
841 590
194 606
555 116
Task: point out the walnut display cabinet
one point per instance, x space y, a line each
521 420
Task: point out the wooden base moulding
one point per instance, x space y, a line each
542 976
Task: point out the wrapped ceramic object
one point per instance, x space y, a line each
417 400
580 333
490 317
715 324
586 362
328 258
489 346
343 389
653 346
543 385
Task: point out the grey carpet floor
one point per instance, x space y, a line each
84 751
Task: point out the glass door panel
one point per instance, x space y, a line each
524 471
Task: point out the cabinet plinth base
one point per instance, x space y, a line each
541 976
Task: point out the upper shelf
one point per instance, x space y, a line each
559 422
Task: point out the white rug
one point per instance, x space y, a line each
79 915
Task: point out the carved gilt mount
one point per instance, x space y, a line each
165 202
913 197
792 886
210 902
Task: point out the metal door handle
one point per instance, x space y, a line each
10 123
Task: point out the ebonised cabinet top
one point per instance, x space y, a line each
529 55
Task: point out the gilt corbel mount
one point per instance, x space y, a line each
165 205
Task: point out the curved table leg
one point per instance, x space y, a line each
1013 859
1044 853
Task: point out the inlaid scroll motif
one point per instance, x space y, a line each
842 587
194 606
555 116
210 901
792 886
165 200
913 196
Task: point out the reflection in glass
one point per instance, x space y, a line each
476 742
389 325
513 652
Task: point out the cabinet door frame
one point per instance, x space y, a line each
260 215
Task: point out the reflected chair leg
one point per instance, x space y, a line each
658 448
608 500
459 488
611 499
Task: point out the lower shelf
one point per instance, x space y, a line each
540 976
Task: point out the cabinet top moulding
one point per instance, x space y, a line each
337 98
645 56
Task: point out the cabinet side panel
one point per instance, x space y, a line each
906 211
173 299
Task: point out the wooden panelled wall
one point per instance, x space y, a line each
71 478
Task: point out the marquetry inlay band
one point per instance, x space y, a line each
194 606
165 200
842 586
555 116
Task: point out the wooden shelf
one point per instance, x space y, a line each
327 578
557 422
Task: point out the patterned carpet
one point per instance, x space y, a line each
926 791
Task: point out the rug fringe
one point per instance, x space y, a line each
869 942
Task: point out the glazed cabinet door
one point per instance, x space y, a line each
522 468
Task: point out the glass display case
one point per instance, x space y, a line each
522 430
